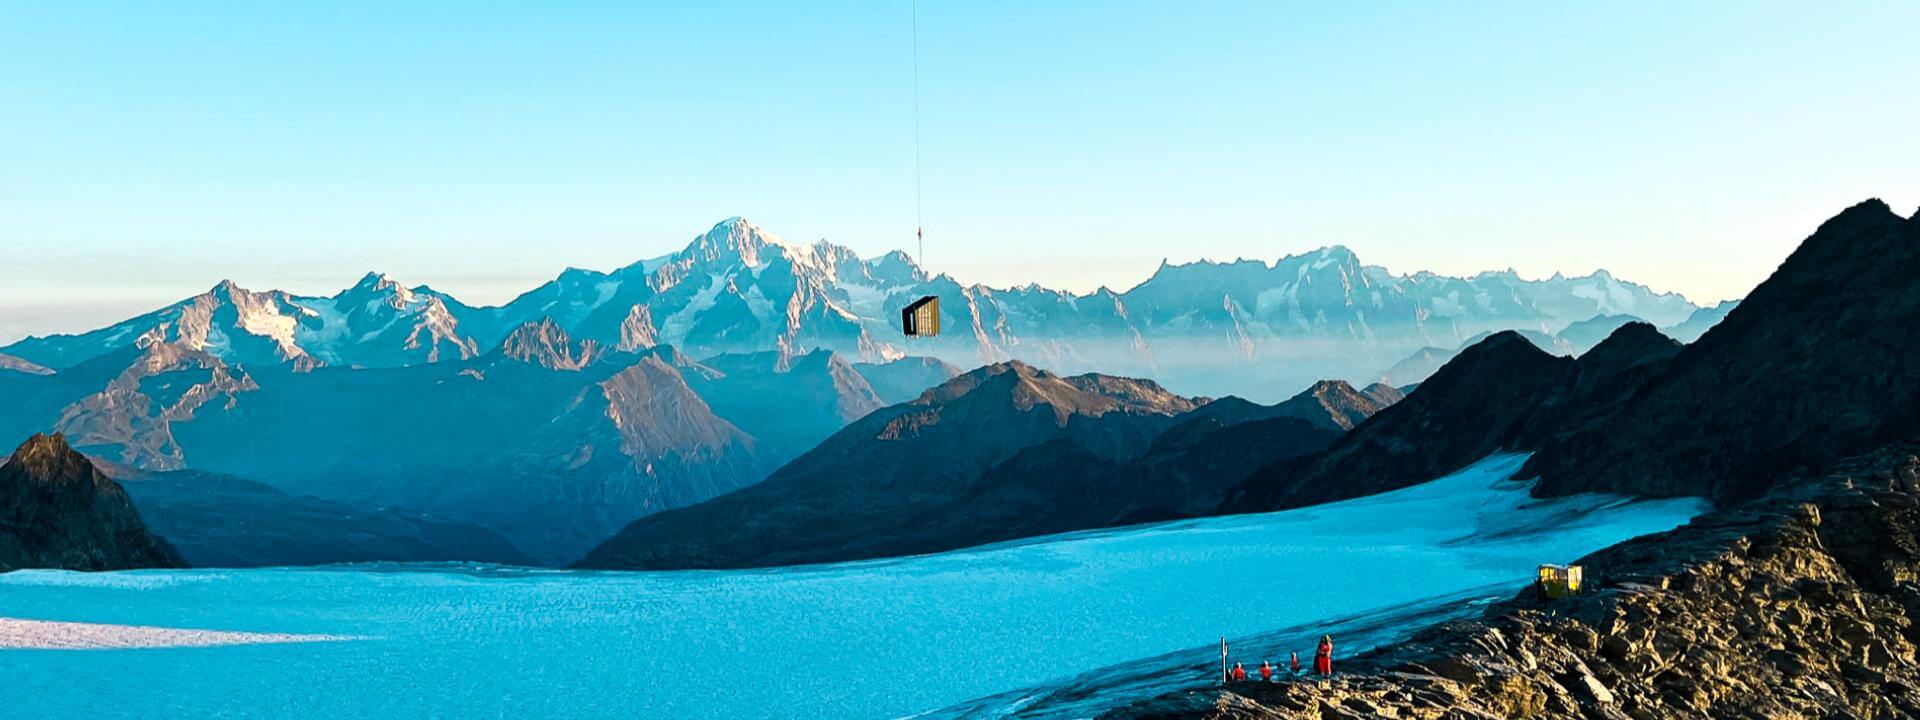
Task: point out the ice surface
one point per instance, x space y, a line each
861 640
41 634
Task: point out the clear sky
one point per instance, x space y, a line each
148 150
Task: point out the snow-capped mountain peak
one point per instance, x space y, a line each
377 287
1252 327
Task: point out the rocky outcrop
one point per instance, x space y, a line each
637 331
1799 604
1815 365
1383 394
1335 405
9 363
163 385
58 511
545 344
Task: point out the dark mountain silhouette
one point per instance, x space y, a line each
58 511
1815 365
1059 486
1474 405
1502 394
1004 452
1575 339
866 491
1582 336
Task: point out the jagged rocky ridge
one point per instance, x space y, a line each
59 511
1251 328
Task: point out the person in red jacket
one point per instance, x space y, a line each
1239 673
1266 671
1296 662
1323 657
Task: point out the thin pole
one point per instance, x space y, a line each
919 209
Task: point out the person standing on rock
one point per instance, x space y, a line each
1323 657
1239 673
1295 657
1266 671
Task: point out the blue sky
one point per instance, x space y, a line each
152 149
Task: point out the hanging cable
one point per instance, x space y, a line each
919 208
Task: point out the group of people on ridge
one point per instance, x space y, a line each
1322 664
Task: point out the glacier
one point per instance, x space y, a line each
1050 626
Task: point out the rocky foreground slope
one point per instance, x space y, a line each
1798 605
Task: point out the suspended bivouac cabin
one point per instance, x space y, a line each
922 317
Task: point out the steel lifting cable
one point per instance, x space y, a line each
919 208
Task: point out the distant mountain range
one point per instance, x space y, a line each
1250 328
1794 412
598 398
